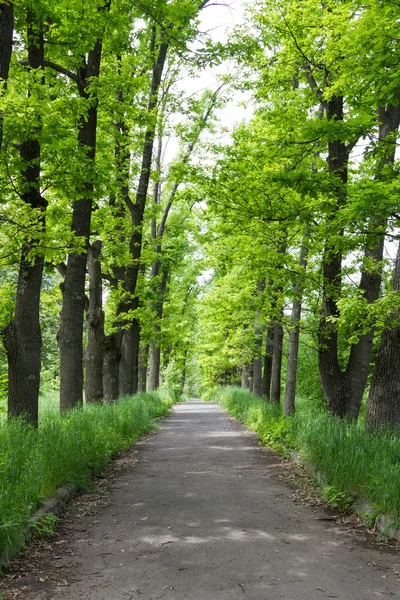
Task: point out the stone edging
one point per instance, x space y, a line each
52 505
359 507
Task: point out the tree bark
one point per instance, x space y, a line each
22 337
183 376
143 361
257 375
155 351
245 385
257 361
130 349
294 336
95 323
269 350
129 363
111 360
277 364
73 288
6 44
154 369
344 389
383 407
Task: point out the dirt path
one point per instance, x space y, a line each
201 516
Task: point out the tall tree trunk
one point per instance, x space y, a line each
111 360
183 376
143 361
294 335
6 43
129 363
257 375
73 288
344 389
22 337
154 368
277 364
383 407
155 351
269 350
333 383
130 348
251 377
95 322
245 385
257 361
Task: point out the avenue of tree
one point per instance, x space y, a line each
269 261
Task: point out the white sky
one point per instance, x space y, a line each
218 20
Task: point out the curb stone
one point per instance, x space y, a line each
52 505
360 507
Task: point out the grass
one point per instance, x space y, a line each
353 464
65 449
49 401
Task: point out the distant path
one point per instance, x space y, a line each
200 517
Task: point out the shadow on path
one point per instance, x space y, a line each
200 517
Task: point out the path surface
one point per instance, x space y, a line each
201 516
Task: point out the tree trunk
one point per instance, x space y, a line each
294 336
130 351
22 337
245 385
269 350
344 390
257 361
129 363
154 369
277 364
257 375
383 407
111 358
6 43
155 351
143 361
73 288
95 322
183 376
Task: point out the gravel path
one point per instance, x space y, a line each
201 515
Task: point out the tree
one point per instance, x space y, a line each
71 321
6 42
173 26
383 407
199 117
22 336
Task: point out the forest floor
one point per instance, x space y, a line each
198 511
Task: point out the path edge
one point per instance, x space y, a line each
360 506
52 505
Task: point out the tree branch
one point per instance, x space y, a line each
60 69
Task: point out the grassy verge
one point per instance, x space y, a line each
353 464
66 449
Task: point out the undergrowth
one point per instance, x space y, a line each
66 449
352 463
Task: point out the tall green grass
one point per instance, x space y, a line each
65 449
353 464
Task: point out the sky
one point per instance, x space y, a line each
218 20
